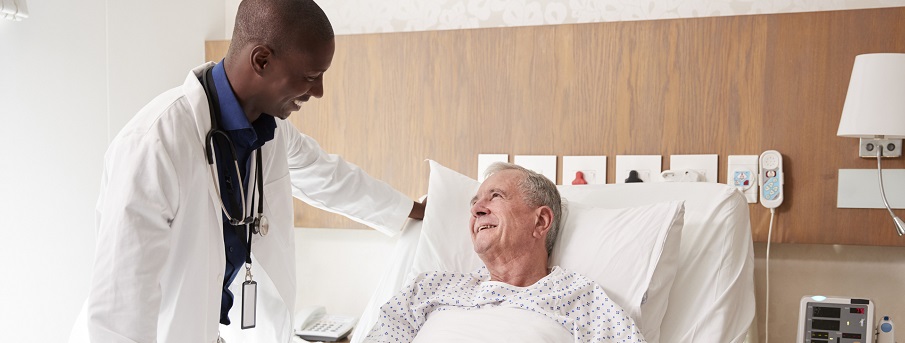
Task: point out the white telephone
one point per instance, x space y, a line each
317 325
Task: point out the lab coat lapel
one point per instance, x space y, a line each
271 250
197 98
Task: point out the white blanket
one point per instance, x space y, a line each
568 299
491 325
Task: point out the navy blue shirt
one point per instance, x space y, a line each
246 138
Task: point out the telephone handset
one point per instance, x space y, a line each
317 325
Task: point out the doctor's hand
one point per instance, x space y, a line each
418 209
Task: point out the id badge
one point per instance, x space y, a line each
249 299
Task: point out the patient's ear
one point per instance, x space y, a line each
543 221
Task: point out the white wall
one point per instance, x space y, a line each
53 104
340 268
73 74
798 270
153 45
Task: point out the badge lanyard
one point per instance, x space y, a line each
253 223
250 287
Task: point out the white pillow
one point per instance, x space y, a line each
631 252
631 248
445 242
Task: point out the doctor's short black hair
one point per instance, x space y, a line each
283 25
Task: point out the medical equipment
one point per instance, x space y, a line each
771 179
259 223
886 332
684 175
579 179
743 175
633 177
834 319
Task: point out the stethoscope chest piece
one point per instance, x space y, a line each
262 226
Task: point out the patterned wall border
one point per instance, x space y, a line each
374 16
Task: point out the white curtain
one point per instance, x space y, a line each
13 9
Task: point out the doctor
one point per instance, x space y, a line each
195 214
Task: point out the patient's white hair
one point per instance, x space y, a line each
538 191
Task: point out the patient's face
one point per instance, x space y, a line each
501 221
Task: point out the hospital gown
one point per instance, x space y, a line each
569 299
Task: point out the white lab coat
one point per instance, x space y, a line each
160 255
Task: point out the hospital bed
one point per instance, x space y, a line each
677 256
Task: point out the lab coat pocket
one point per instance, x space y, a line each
278 205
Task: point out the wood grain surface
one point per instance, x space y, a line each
725 85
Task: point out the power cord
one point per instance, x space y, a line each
767 300
900 225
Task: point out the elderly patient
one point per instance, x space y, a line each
515 217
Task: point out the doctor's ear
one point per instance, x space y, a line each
260 57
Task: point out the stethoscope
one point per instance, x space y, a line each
257 221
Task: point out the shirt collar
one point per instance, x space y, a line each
232 117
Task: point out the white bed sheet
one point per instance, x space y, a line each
712 297
491 325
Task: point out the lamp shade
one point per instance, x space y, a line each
875 103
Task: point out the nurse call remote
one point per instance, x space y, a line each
770 179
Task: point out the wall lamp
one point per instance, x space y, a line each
874 111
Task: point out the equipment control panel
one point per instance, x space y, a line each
835 320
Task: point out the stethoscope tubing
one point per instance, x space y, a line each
215 132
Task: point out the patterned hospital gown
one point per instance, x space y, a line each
570 299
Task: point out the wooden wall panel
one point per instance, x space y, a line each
807 68
726 85
393 101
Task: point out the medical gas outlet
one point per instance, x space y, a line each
742 174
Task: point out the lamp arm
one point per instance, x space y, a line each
900 225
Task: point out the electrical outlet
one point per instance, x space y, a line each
891 147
